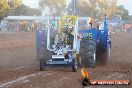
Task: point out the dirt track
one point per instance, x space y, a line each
19 66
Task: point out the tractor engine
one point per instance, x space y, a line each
60 47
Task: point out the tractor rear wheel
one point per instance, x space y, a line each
42 64
88 52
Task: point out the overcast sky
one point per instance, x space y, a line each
126 3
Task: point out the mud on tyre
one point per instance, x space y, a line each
43 54
88 52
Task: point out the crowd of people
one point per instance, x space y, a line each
20 26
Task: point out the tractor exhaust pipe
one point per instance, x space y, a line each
73 7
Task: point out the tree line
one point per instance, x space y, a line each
94 8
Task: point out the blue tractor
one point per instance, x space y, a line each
63 43
95 45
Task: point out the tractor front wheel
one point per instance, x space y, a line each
42 64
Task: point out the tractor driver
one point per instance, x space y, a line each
69 35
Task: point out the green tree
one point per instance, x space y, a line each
122 12
24 10
107 7
96 8
6 5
